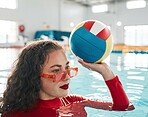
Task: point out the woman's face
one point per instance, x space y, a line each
55 62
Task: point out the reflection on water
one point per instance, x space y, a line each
134 77
136 60
131 68
7 57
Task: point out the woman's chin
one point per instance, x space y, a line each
64 93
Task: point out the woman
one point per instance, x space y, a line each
38 85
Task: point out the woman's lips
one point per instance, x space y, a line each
65 87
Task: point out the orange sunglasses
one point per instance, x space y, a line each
59 76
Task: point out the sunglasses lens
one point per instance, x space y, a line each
60 76
73 72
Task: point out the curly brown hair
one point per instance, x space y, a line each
23 85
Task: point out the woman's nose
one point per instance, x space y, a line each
67 77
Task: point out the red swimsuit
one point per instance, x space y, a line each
73 106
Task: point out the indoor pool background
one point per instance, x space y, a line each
131 68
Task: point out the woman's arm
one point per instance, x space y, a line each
119 97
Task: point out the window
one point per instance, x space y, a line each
136 35
9 4
8 31
100 8
136 4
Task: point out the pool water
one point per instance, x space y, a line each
131 68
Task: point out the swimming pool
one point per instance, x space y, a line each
131 68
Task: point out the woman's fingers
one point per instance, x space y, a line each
83 63
90 66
